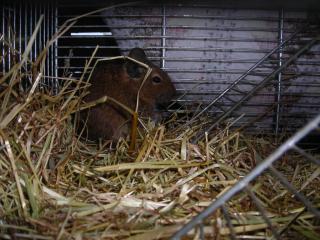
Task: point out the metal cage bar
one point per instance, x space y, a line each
18 21
166 32
258 170
279 77
203 55
244 75
255 88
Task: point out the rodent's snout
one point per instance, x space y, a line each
164 100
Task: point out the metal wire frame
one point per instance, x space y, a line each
192 16
19 19
290 144
249 71
279 77
257 87
164 47
211 72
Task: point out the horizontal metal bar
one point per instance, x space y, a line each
172 48
200 27
191 59
221 82
94 5
295 105
88 34
216 49
253 114
259 128
225 71
192 16
261 104
224 82
285 94
240 71
184 16
210 60
262 130
230 71
195 38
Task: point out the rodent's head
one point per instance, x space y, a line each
158 89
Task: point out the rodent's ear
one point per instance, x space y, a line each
138 54
134 70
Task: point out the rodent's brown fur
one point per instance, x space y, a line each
121 79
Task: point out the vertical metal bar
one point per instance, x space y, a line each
47 34
229 223
279 76
9 27
43 41
263 212
19 52
53 45
163 39
56 48
46 37
14 32
35 8
43 38
20 31
50 33
3 38
30 29
201 236
40 45
25 26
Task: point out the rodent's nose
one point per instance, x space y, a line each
164 100
162 106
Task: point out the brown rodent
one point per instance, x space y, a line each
121 79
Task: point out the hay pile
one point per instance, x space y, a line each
54 185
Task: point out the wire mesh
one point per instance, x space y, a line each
309 201
249 93
18 20
205 49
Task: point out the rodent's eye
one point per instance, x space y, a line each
156 80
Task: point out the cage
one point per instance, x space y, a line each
248 72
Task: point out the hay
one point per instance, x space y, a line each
55 185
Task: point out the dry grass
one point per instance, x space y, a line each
54 185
